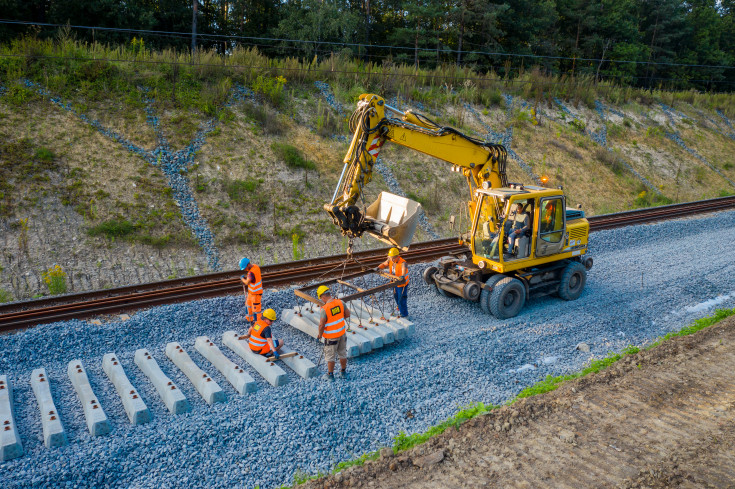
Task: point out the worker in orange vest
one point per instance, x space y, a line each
397 266
333 328
252 284
260 337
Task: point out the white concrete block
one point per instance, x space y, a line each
53 431
135 408
97 421
235 375
171 395
203 383
299 363
370 313
362 317
376 340
10 445
268 370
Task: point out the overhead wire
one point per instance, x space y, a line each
353 44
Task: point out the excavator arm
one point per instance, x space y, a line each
372 124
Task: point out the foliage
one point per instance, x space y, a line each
55 280
404 441
578 125
113 228
292 156
5 296
271 88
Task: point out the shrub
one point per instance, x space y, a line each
5 296
610 160
112 229
55 280
271 88
578 125
292 156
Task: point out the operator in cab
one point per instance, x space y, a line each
260 336
397 266
252 284
520 224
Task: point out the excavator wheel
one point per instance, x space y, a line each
487 292
507 298
573 279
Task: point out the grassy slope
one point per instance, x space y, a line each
240 182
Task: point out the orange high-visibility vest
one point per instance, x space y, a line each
399 268
255 288
257 343
335 325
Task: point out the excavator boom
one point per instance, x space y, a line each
393 218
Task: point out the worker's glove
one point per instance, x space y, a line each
276 355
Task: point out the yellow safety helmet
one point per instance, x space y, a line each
321 290
393 252
269 314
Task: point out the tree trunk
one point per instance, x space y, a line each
602 60
650 52
416 47
576 45
195 5
461 35
367 30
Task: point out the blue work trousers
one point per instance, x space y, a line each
401 296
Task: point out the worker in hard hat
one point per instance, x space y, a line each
260 336
398 267
333 328
252 284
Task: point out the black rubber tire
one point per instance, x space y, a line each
507 298
485 295
428 275
573 279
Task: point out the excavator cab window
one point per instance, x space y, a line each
551 228
486 241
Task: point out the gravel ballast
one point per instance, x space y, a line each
647 281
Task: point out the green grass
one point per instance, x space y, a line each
405 441
292 156
5 296
112 229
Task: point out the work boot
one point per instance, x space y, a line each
343 374
328 377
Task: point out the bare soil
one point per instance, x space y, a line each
658 419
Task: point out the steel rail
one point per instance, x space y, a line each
95 303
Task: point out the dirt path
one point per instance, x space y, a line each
662 418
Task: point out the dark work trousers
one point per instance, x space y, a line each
401 296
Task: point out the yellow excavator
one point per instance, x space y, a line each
523 239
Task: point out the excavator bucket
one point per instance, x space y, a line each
392 219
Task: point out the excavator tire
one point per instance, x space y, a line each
485 295
507 298
573 279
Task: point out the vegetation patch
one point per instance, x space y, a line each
404 441
292 156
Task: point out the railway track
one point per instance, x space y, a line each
111 301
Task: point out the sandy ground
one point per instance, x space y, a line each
661 418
